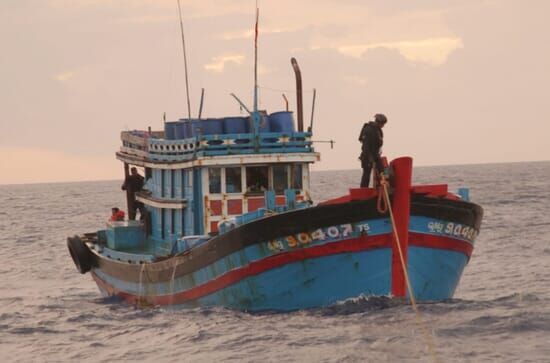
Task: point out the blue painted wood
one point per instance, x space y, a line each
197 202
127 256
264 142
318 282
269 196
311 283
177 184
290 196
178 220
464 194
168 236
156 183
435 273
166 179
190 196
125 237
156 223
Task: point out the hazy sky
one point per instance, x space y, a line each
460 81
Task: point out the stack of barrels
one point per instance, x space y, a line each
185 129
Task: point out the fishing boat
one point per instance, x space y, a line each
226 219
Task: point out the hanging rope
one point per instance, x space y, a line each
381 203
428 337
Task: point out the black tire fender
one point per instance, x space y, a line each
82 257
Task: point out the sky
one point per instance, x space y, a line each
461 81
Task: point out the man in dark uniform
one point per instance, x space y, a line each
133 184
372 139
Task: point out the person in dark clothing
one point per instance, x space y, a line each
371 138
133 184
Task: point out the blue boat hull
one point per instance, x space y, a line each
270 276
304 258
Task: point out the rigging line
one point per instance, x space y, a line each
185 62
420 321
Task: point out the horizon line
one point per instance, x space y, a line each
313 171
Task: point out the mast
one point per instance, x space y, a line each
256 115
185 63
256 60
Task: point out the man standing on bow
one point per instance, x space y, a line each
371 138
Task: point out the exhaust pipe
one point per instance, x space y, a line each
299 107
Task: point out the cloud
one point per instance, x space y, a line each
65 76
218 63
432 51
247 34
357 80
149 19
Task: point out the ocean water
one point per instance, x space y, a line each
501 309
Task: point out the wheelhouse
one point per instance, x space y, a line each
195 184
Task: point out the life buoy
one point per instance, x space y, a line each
82 257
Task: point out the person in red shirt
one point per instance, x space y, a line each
116 215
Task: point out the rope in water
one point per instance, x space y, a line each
428 337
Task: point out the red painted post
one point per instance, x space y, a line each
401 206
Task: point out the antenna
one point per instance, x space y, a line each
200 106
185 62
313 111
256 59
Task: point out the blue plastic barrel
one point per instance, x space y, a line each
180 131
264 124
235 125
281 122
211 126
170 130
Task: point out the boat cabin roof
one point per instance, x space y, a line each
224 141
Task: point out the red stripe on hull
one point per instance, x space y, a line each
440 242
268 263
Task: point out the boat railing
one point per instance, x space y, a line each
125 223
156 148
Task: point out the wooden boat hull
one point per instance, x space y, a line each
305 258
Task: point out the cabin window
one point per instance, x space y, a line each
280 178
214 180
257 179
296 176
233 182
